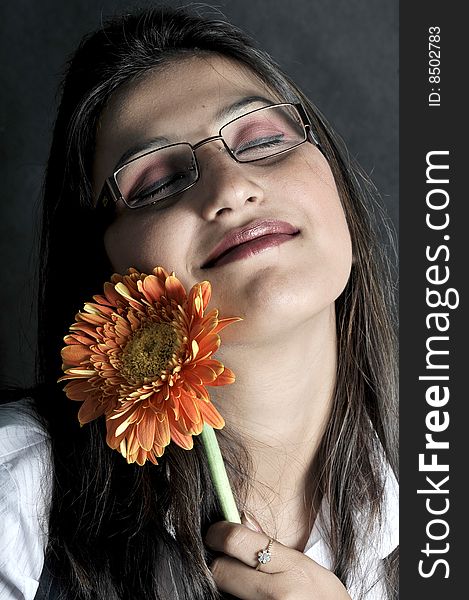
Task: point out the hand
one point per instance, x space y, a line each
290 575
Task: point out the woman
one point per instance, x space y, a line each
288 241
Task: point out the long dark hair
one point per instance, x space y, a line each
123 531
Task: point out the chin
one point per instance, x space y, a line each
274 302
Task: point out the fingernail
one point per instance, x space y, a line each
248 520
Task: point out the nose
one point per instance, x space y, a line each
225 186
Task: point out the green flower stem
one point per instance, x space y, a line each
218 474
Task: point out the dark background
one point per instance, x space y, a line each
343 53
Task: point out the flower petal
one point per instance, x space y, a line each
146 430
214 364
162 432
192 377
90 410
78 390
182 440
222 323
199 297
190 409
81 372
152 288
206 291
211 415
75 354
175 290
141 457
161 273
195 349
112 296
124 291
93 319
208 345
225 378
206 374
87 329
196 390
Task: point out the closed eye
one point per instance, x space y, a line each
159 190
267 142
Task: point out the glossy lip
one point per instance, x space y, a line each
248 233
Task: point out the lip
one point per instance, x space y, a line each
250 239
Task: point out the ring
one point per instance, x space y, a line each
264 556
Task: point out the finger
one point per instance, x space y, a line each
241 581
244 544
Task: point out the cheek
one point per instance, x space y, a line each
144 242
316 190
330 245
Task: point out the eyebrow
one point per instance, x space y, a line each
232 109
147 144
153 143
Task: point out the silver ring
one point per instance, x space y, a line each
264 556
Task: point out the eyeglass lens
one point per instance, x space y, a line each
168 171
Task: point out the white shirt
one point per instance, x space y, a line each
25 483
25 488
374 545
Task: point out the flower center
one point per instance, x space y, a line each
149 352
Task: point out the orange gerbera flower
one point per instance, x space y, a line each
141 355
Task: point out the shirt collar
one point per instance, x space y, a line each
383 539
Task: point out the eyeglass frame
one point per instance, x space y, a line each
110 184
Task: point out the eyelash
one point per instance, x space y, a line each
268 144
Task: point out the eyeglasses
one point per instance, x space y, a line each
157 175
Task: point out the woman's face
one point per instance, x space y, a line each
274 284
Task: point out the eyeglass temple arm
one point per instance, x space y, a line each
109 194
309 128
